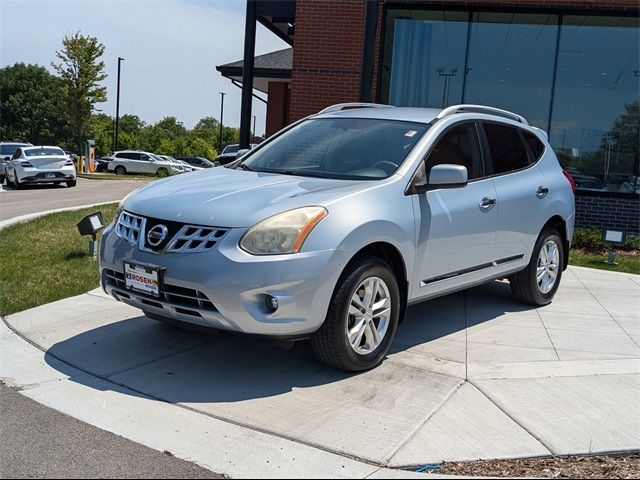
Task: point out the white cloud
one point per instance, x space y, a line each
170 48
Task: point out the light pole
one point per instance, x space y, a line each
445 92
253 135
222 94
115 137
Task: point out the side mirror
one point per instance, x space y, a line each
242 152
440 176
6 159
448 176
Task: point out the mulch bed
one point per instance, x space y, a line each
596 466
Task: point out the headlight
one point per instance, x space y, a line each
282 233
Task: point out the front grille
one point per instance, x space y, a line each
129 227
178 297
181 238
195 239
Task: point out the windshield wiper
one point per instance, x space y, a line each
298 173
245 167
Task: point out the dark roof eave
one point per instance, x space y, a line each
257 72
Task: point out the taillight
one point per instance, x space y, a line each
26 164
571 180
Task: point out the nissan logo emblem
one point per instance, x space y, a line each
157 234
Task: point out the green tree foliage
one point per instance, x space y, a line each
101 130
81 71
29 105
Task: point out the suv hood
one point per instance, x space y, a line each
223 197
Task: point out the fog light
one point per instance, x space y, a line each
271 303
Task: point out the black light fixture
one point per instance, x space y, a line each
613 237
91 225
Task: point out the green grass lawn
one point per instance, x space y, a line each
626 263
46 260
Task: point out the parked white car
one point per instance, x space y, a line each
132 161
40 165
7 149
182 166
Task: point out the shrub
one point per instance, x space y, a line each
590 240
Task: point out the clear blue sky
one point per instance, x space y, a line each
170 48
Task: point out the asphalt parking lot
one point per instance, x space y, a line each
37 198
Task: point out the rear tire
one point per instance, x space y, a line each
339 343
538 283
2 179
162 172
120 170
17 183
72 183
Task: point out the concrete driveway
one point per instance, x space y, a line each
38 198
472 375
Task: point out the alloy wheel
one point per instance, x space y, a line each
368 316
548 264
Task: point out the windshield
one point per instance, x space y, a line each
41 152
10 148
231 148
354 148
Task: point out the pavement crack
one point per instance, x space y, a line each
413 433
504 411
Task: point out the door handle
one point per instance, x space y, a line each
487 203
542 192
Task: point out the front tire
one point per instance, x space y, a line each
538 283
120 170
72 183
2 179
362 318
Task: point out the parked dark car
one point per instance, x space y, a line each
102 164
229 153
200 162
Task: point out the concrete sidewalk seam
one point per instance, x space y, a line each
606 310
423 423
503 410
546 330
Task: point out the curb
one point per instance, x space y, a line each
32 216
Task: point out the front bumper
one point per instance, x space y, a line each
225 288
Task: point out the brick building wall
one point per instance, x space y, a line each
616 213
327 56
277 107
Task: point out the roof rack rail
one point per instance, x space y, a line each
348 106
481 109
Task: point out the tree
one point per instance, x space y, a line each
101 130
81 71
29 99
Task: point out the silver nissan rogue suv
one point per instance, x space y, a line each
329 229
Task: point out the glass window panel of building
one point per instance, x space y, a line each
424 58
511 62
595 125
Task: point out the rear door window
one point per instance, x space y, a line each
508 152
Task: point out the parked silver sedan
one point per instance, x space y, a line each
332 227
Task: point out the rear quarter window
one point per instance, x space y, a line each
535 145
